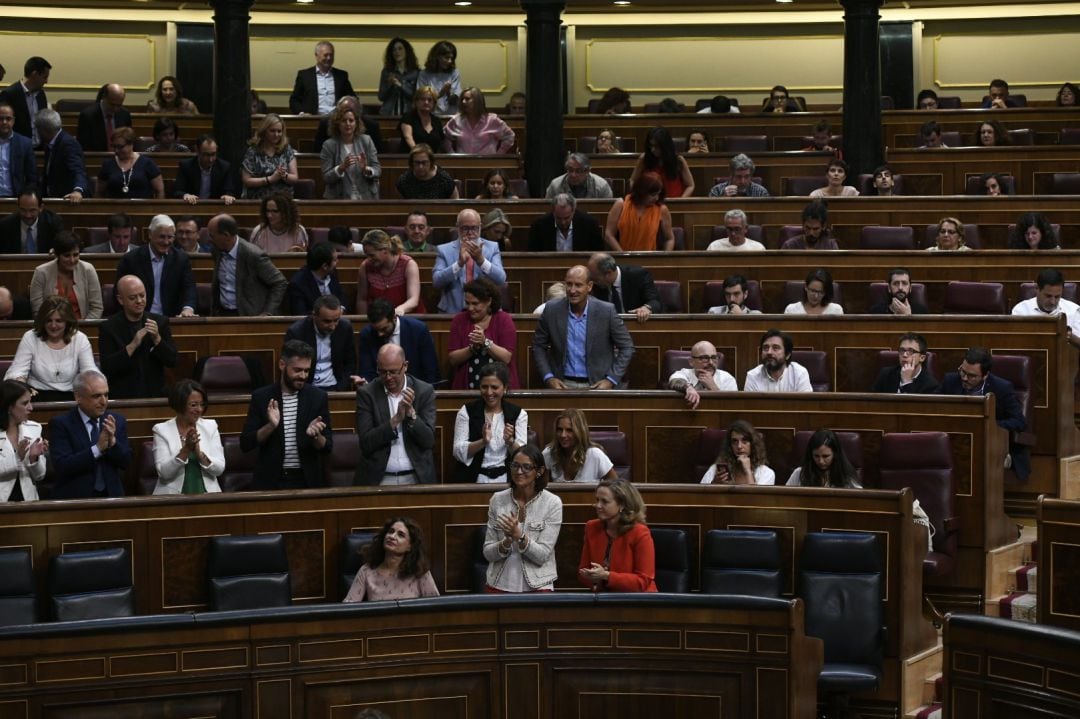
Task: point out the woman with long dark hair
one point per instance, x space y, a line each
488 429
397 82
395 565
660 157
743 460
22 449
824 464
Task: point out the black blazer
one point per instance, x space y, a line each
303 291
65 169
305 94
885 308
177 281
588 237
342 348
189 178
888 382
49 223
371 129
312 403
91 132
637 289
16 97
143 373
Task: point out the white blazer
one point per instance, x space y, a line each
170 470
12 469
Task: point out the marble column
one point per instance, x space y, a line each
232 79
544 154
862 87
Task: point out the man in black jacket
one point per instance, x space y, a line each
305 99
27 96
97 122
910 374
174 295
899 301
205 177
136 345
629 287
31 216
565 229
331 336
317 278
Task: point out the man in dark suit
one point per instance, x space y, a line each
571 356
629 287
305 98
973 378
205 177
331 336
289 424
245 283
899 301
909 375
119 228
164 270
396 410
65 169
21 169
565 229
27 97
88 445
97 122
317 279
409 333
32 217
136 346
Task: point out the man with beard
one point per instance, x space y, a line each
777 373
736 292
899 301
289 423
702 374
815 230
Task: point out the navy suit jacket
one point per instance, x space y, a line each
415 340
14 95
177 281
91 131
1010 415
342 349
73 460
49 223
189 179
65 169
23 164
305 94
303 291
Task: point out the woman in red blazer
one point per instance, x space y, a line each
618 554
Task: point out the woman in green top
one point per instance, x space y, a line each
187 450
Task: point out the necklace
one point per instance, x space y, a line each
125 176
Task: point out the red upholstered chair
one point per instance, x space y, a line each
226 374
519 186
1022 136
1017 369
239 465
866 184
147 468
671 299
971 236
674 360
1028 290
883 237
816 363
753 232
851 442
204 299
142 143
1069 136
887 103
96 235
1065 183
743 143
973 185
793 292
975 298
616 448
890 358
923 461
304 189
879 291
949 102
507 299
803 186
678 233
108 300
786 233
713 295
340 468
707 449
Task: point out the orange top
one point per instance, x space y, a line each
638 227
70 296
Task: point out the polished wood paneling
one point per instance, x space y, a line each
1059 562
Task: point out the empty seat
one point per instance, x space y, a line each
519 186
204 299
239 465
786 233
147 470
971 236
1017 369
672 560
108 300
226 374
883 237
18 594
304 189
923 462
1022 136
248 572
803 185
816 363
741 561
753 232
340 469
1065 183
744 143
975 298
879 292
1069 136
793 292
91 585
616 448
350 561
706 450
949 102
713 295
671 300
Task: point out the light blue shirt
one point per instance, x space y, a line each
227 277
576 329
157 264
325 83
324 368
6 189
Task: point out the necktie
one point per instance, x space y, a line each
31 243
470 269
95 434
108 130
616 299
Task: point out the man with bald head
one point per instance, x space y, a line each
246 282
580 341
164 270
703 374
97 122
395 421
136 345
467 258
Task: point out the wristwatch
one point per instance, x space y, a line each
487 343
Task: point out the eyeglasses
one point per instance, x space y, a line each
705 358
390 372
519 468
906 351
468 229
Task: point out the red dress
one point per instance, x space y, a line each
393 287
632 563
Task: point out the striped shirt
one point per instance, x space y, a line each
289 404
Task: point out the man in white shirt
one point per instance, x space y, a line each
702 374
1048 302
736 240
317 89
777 373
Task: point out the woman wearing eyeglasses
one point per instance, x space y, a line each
523 526
950 236
488 429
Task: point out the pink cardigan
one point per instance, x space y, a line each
488 136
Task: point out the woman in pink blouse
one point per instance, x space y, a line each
395 566
474 130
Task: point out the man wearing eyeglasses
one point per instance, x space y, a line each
973 378
465 259
395 421
702 374
737 239
909 375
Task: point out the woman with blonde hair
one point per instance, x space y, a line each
390 273
350 162
572 456
618 554
475 131
279 229
269 163
950 236
421 125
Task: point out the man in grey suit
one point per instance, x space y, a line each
245 280
395 421
580 342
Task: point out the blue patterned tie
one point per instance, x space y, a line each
31 243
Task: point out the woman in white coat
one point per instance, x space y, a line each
22 450
187 450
